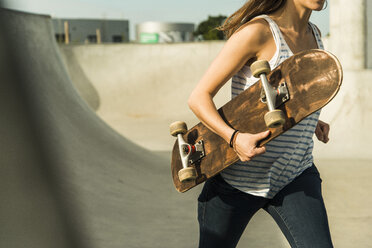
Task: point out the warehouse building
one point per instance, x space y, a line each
91 30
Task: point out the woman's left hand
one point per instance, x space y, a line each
322 131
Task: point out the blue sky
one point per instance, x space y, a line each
137 11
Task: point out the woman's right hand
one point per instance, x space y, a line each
245 145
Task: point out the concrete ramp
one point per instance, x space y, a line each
141 89
68 179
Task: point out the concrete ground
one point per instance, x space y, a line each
346 191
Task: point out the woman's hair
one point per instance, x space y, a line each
247 12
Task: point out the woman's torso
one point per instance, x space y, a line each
288 155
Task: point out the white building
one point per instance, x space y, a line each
164 32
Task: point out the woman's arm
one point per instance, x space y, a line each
245 45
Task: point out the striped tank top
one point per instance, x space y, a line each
286 156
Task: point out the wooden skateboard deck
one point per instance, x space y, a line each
313 78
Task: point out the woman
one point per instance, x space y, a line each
281 177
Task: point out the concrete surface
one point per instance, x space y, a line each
136 100
137 88
347 193
350 118
348 32
119 194
32 211
70 180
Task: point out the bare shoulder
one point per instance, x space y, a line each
243 46
253 35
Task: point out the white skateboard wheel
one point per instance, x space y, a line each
187 174
260 66
274 118
178 127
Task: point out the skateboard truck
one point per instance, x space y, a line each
282 95
189 153
275 117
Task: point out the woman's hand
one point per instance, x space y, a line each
322 131
245 145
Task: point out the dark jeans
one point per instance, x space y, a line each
298 209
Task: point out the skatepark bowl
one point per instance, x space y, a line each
85 162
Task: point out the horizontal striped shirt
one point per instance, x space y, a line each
286 156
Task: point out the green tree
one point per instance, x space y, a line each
208 29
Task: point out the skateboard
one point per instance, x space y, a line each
298 87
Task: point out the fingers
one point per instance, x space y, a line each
244 157
259 150
262 135
246 145
322 131
318 133
253 153
326 133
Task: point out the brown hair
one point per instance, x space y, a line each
247 12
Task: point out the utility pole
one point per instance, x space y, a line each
67 37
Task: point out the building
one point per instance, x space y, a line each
91 30
164 32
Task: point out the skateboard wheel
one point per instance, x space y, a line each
260 66
187 174
275 118
178 127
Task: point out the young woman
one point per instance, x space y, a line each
281 177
